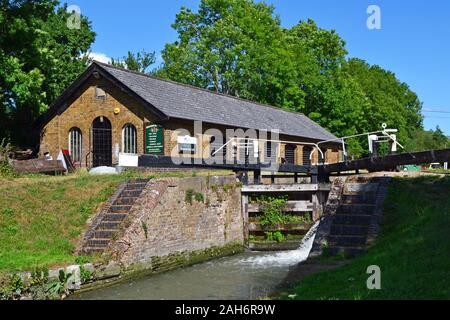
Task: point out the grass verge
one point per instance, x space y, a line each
412 251
42 218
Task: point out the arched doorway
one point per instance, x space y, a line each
101 142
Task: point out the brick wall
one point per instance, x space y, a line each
83 108
174 226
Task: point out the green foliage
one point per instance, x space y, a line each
6 169
58 287
411 250
272 208
199 197
11 288
85 274
39 57
227 187
145 228
139 61
238 47
275 236
189 195
427 140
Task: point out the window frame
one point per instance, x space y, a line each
129 139
75 144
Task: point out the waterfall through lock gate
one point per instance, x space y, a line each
286 258
249 275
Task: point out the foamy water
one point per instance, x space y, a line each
285 258
249 275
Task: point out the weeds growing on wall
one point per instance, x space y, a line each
272 208
6 170
275 236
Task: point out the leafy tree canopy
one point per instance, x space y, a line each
39 57
140 61
238 47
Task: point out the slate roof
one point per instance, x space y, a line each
176 100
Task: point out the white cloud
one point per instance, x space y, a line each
100 57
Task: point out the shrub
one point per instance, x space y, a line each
275 236
6 170
272 210
188 196
199 197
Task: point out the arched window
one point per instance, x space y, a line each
75 144
129 139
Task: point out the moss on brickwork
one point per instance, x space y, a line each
181 259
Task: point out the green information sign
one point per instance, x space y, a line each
154 137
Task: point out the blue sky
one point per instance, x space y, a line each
414 40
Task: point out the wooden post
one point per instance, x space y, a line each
316 207
245 218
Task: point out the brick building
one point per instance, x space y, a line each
108 111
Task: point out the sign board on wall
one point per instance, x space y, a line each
154 140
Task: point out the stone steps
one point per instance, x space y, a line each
357 209
353 219
368 198
105 234
347 240
130 193
120 209
125 201
114 217
98 242
111 222
347 251
349 229
109 225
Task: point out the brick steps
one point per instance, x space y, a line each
347 251
109 225
347 240
125 201
352 219
350 225
115 217
357 209
368 198
348 230
112 221
105 234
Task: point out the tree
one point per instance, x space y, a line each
389 100
39 57
238 47
229 46
423 140
139 61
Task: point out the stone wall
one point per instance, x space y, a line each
165 226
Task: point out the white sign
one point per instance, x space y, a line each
128 160
186 140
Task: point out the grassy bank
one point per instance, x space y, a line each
413 250
42 218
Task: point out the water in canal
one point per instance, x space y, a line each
245 276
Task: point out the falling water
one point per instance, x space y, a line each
244 276
285 258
